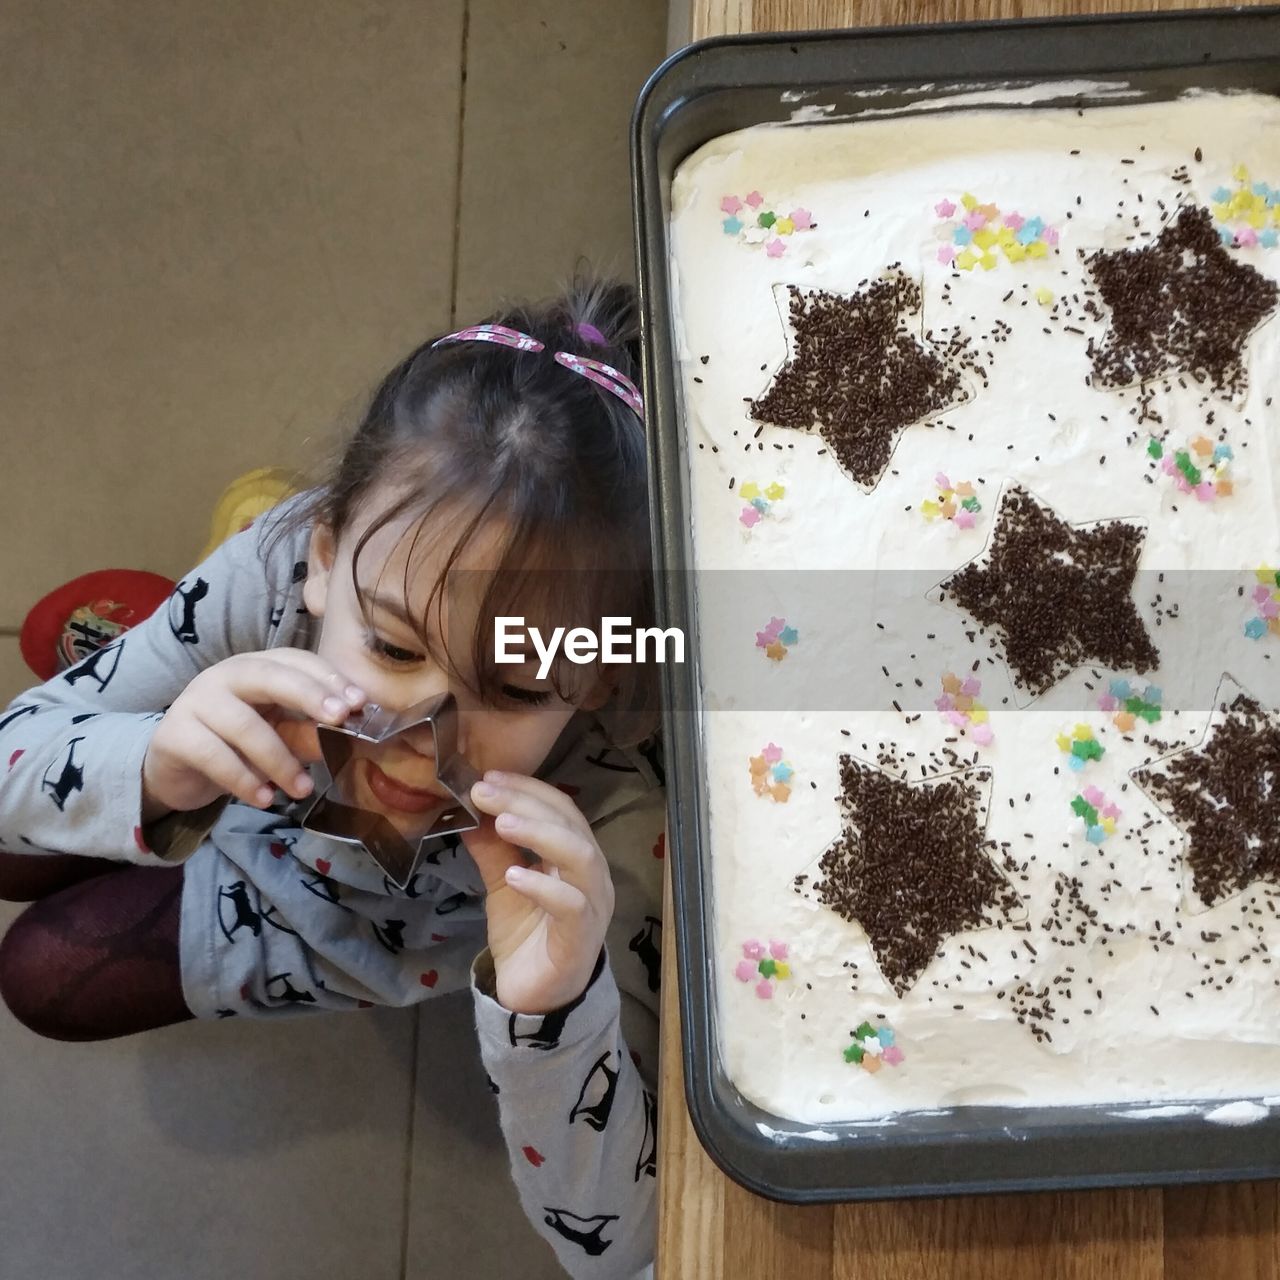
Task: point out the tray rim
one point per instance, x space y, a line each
687 69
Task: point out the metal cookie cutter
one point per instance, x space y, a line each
335 811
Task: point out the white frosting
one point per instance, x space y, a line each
872 188
790 1135
1237 1113
1154 1113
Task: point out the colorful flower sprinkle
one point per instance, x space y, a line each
771 775
873 1047
957 503
759 502
1266 604
1202 468
766 970
1097 812
977 235
776 639
751 221
1081 746
1247 216
961 709
1127 706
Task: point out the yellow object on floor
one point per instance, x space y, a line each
244 500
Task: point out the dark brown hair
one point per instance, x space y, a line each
472 431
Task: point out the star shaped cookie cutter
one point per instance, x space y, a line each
335 811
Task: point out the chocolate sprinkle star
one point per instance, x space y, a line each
1223 794
1182 304
1058 595
860 375
912 865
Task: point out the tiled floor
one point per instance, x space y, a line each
221 223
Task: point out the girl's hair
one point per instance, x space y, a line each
469 431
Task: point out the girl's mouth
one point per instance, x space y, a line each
395 795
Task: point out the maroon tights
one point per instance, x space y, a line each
96 954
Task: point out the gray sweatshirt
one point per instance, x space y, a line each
280 921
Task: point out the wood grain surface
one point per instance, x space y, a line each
723 17
711 1229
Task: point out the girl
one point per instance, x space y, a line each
154 791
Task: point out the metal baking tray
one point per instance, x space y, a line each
715 87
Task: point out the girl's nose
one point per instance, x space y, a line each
422 738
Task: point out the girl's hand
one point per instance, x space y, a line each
227 731
547 925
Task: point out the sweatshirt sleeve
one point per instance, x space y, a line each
577 1087
580 1123
71 749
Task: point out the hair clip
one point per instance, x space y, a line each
493 333
605 376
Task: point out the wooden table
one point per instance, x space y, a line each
710 1227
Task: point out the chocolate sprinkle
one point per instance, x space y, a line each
1222 794
912 866
1058 595
860 375
1181 304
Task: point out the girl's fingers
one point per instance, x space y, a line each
243 730
536 791
491 853
314 665
528 802
574 856
266 681
222 765
301 737
559 899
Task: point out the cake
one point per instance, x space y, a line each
982 482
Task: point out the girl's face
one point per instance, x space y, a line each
386 658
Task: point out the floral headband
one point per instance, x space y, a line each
603 375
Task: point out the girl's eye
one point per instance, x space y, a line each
391 652
530 697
